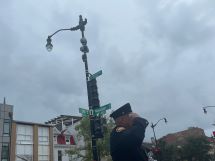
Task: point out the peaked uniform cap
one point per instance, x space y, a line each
123 110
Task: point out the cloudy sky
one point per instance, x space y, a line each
158 55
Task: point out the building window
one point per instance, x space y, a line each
67 140
6 127
59 155
24 134
5 152
43 135
43 141
43 153
24 142
24 152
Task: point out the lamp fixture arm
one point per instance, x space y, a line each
153 125
57 32
207 107
80 26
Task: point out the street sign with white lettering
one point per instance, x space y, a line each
101 113
102 108
84 112
95 75
96 112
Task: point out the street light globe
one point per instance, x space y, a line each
49 47
205 111
165 120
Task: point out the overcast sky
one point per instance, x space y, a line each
156 54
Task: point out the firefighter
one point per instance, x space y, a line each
127 137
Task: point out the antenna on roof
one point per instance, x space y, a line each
4 103
4 100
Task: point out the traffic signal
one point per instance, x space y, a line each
98 128
93 93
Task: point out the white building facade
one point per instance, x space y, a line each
65 136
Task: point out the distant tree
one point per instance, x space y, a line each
167 152
85 153
196 149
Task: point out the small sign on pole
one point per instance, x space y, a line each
102 108
96 112
84 112
94 76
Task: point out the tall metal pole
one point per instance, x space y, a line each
94 147
153 128
156 144
84 49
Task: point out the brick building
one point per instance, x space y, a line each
180 137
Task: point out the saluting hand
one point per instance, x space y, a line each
132 116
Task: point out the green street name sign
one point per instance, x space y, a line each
102 108
94 76
100 113
84 112
97 112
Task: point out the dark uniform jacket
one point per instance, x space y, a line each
125 144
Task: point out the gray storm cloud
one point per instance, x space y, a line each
158 55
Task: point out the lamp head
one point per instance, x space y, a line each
49 45
152 125
205 111
165 120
